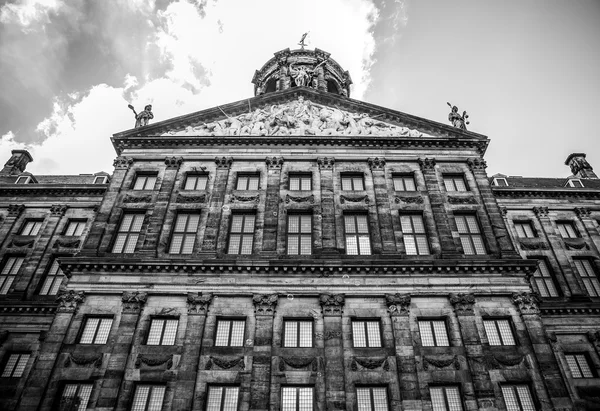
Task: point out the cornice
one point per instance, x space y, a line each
570 309
51 190
546 192
12 308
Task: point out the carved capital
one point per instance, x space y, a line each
582 212
326 163
476 163
332 304
462 303
398 304
223 163
503 211
541 211
264 304
594 337
69 300
198 303
15 210
376 163
427 164
173 162
122 163
274 162
133 301
527 303
58 210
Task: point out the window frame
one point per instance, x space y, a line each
572 183
301 177
28 180
185 234
298 387
430 320
415 235
591 276
403 177
470 234
453 177
47 271
357 235
225 387
128 233
247 175
146 175
230 332
525 223
497 328
242 233
77 221
364 320
551 277
6 360
567 224
104 180
4 278
352 176
299 235
588 362
513 386
162 331
196 175
33 221
297 320
371 396
444 387
83 326
63 385
497 184
151 385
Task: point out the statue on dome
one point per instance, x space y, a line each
143 117
302 75
456 119
302 42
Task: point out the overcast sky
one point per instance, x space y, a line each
527 71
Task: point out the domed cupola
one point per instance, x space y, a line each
302 68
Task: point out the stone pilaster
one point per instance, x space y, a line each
382 202
335 393
326 165
14 212
274 165
594 337
211 233
584 215
264 308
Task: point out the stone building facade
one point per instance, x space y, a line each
297 250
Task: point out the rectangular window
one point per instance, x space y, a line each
53 279
299 237
353 182
300 182
196 182
230 333
100 180
162 331
296 398
9 273
184 233
247 182
222 398
372 398
525 229
31 227
96 330
297 333
366 333
23 180
75 397
588 276
517 398
75 227
445 398
500 182
575 183
404 183
15 365
455 183
470 234
579 365
567 229
499 332
433 333
144 182
241 234
414 235
148 397
128 233
544 282
358 241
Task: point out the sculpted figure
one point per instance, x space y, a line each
144 117
302 75
456 119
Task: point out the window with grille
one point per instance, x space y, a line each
525 229
499 332
15 365
366 333
9 273
404 183
588 276
162 331
31 227
230 333
414 235
543 279
96 330
75 396
184 233
144 182
470 234
296 398
241 234
297 333
433 333
247 182
518 398
148 397
299 236
579 365
75 227
358 241
53 279
353 182
196 182
445 398
455 183
300 182
567 229
128 233
222 398
372 398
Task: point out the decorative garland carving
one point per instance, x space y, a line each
369 363
241 199
359 199
398 304
503 211
427 164
58 210
154 361
96 360
306 199
463 303
476 163
224 363
274 162
223 162
533 245
408 199
190 199
15 210
582 212
498 361
332 304
67 243
122 163
133 301
298 362
376 163
21 242
264 304
198 303
69 300
137 199
440 361
527 303
576 244
173 162
461 200
541 211
330 335
326 163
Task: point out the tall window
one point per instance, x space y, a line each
296 398
433 333
455 183
499 332
299 237
297 333
414 235
184 233
446 398
162 331
241 234
144 182
372 398
222 398
524 229
404 183
353 182
470 234
517 398
9 273
567 229
247 182
544 282
358 241
148 397
588 276
300 182
31 227
128 233
75 227
579 365
75 396
196 182
52 280
96 330
366 333
230 333
15 365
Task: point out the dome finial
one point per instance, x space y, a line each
302 42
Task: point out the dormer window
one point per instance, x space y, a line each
100 180
574 183
500 182
24 180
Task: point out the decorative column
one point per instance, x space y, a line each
399 310
14 212
382 202
211 233
335 392
327 205
274 165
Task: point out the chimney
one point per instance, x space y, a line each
17 163
579 166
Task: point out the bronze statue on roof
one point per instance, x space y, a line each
456 119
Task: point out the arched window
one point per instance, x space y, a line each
332 86
271 85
